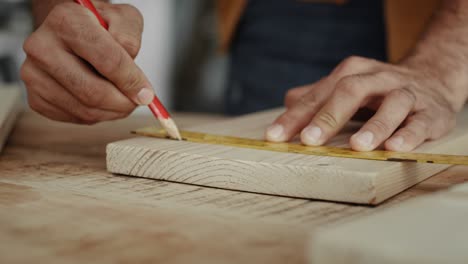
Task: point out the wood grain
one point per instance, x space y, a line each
61 206
295 175
44 226
430 229
10 107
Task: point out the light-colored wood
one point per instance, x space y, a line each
44 226
430 229
296 175
61 206
10 107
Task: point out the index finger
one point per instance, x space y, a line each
346 100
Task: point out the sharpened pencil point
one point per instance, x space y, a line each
171 128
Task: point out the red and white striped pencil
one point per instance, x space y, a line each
156 107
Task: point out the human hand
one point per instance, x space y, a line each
76 71
411 107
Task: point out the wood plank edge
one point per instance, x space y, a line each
365 196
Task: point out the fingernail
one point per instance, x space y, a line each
275 132
396 142
311 135
365 139
145 96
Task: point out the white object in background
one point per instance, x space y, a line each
156 55
10 108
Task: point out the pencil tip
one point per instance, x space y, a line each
171 128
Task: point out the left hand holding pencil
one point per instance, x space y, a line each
77 71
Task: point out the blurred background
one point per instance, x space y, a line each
179 51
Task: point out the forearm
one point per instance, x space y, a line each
442 51
41 9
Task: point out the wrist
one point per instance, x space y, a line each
449 74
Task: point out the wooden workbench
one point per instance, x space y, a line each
58 204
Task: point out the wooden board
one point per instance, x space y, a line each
53 173
336 179
430 229
46 226
10 107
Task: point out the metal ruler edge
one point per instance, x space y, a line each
380 155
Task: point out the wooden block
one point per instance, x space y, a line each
10 107
297 175
431 229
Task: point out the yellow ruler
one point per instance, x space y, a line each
204 138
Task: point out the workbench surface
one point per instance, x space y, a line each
58 204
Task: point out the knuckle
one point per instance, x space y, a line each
130 43
353 64
310 101
33 47
132 11
59 12
131 14
291 97
407 93
91 95
327 119
26 74
288 99
290 94
110 62
29 44
349 87
381 126
82 31
60 17
352 61
70 21
384 75
73 78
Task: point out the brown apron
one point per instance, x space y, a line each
405 21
